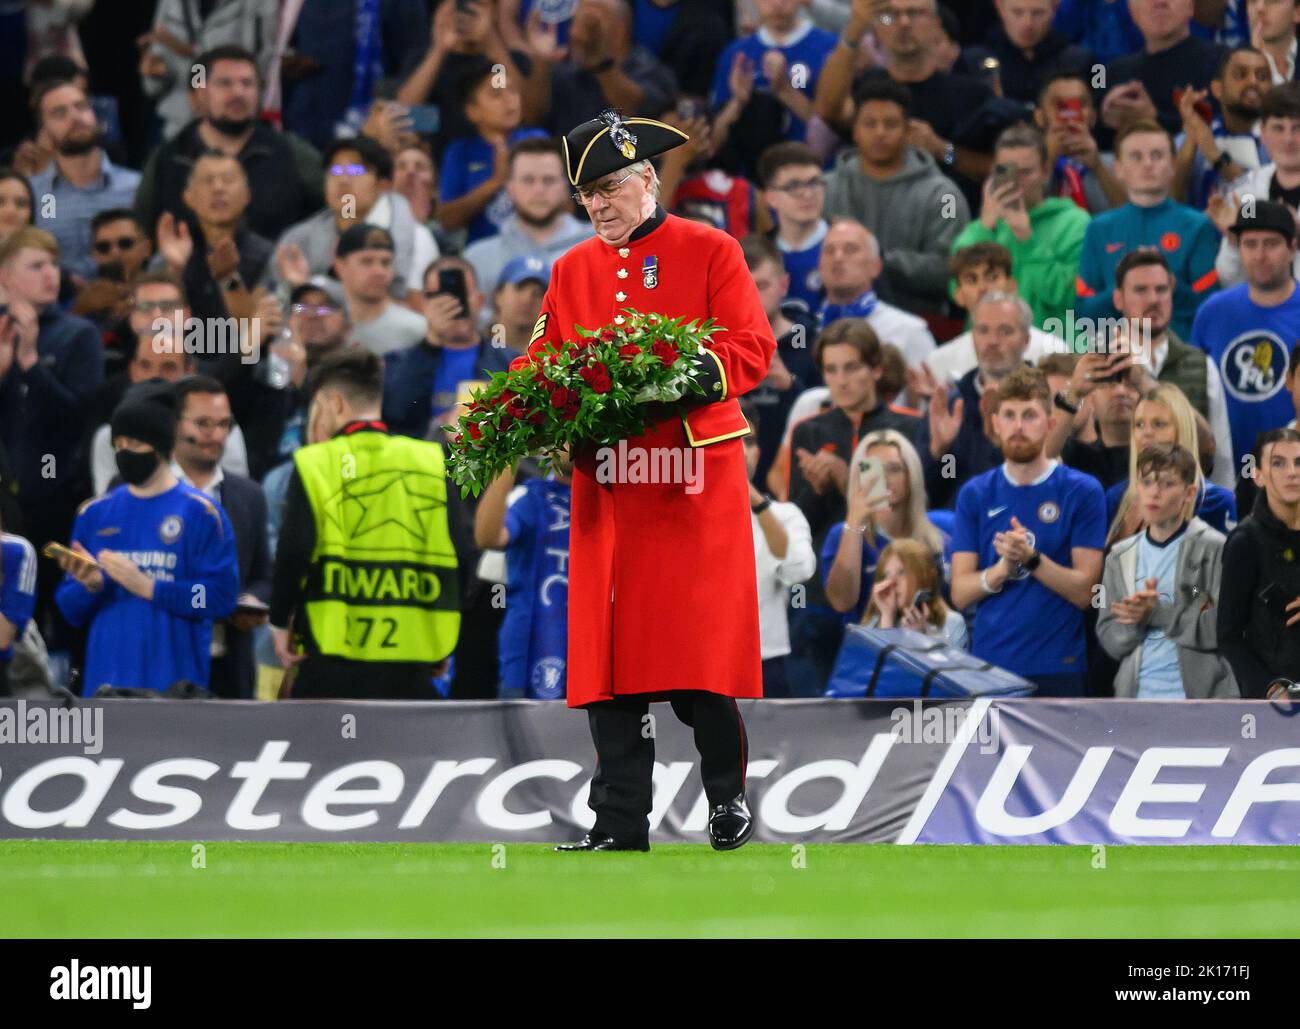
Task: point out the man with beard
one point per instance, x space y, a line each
1211 154
284 174
1027 547
82 181
542 225
1279 131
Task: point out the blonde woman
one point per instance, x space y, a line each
1164 415
907 594
852 548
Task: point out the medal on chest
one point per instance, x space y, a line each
650 272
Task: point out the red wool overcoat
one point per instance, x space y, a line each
663 591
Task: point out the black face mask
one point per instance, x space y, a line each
136 467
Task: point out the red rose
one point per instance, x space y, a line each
665 350
457 439
628 351
516 408
536 418
474 431
560 397
597 377
607 336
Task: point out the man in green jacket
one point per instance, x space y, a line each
1044 234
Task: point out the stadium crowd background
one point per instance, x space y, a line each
933 201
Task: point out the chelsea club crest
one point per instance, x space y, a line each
169 531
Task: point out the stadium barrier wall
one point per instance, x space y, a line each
1006 771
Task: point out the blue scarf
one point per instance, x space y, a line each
367 62
860 308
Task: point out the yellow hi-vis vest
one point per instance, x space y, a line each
382 584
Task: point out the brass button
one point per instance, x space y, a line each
619 320
622 273
623 251
620 296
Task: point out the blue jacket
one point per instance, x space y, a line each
409 376
1187 239
43 410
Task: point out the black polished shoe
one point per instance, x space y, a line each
730 824
599 841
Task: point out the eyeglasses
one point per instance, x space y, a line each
609 190
105 246
155 305
324 311
208 424
802 186
348 169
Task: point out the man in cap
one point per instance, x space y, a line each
517 300
363 262
1249 329
663 599
157 560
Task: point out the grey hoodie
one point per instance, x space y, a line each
489 256
1189 621
915 216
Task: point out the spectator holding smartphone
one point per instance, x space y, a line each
1161 584
886 503
1067 117
906 594
1259 603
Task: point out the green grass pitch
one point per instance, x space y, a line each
99 889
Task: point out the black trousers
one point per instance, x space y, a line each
621 789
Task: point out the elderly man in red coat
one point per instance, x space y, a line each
663 598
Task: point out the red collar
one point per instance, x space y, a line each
362 426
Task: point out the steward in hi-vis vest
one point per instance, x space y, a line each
366 567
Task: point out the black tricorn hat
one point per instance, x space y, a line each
611 142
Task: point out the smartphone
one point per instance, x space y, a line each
1070 111
452 282
922 597
1275 599
54 551
1005 175
871 479
425 118
1203 107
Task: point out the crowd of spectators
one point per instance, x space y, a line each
1031 266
